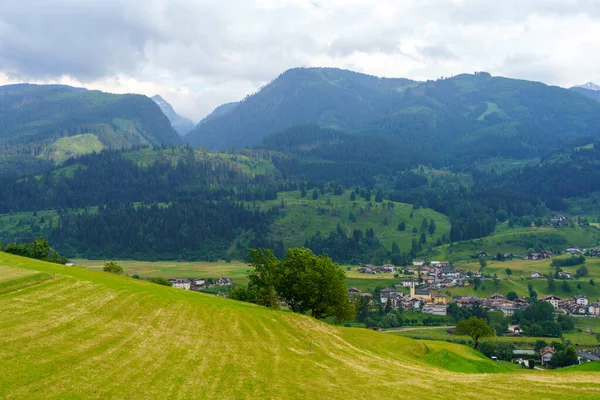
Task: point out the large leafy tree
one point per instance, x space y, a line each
307 283
476 328
261 287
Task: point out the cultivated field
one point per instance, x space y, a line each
87 334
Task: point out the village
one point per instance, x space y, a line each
427 281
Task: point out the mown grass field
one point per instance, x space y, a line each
79 333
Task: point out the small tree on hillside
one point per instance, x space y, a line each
482 263
476 328
113 268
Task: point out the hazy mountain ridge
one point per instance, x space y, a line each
473 114
180 123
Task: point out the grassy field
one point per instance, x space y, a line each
73 146
517 240
86 334
236 270
303 217
520 278
583 339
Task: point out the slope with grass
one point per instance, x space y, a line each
517 240
303 217
84 334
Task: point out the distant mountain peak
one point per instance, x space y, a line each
589 86
180 123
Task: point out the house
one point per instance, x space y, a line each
418 263
467 301
508 311
515 328
497 296
434 309
482 254
356 293
200 282
594 309
587 356
367 270
407 283
69 264
594 252
536 275
181 283
574 250
581 300
390 294
546 354
564 275
440 299
387 268
558 220
545 254
223 282
552 300
531 256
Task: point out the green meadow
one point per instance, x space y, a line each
69 332
303 217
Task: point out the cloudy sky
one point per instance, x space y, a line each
198 54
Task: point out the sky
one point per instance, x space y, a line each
199 54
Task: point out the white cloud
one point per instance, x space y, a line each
199 54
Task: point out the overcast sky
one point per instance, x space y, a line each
198 54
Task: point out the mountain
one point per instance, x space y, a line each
589 90
324 96
222 109
588 86
181 124
55 122
464 116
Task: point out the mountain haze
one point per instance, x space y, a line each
181 124
473 114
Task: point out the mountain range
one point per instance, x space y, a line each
47 123
475 115
181 124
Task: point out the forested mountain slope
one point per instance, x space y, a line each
73 333
466 116
54 122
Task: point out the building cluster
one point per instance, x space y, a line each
495 302
578 305
197 284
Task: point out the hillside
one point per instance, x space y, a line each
466 116
181 124
588 91
220 110
54 122
74 333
